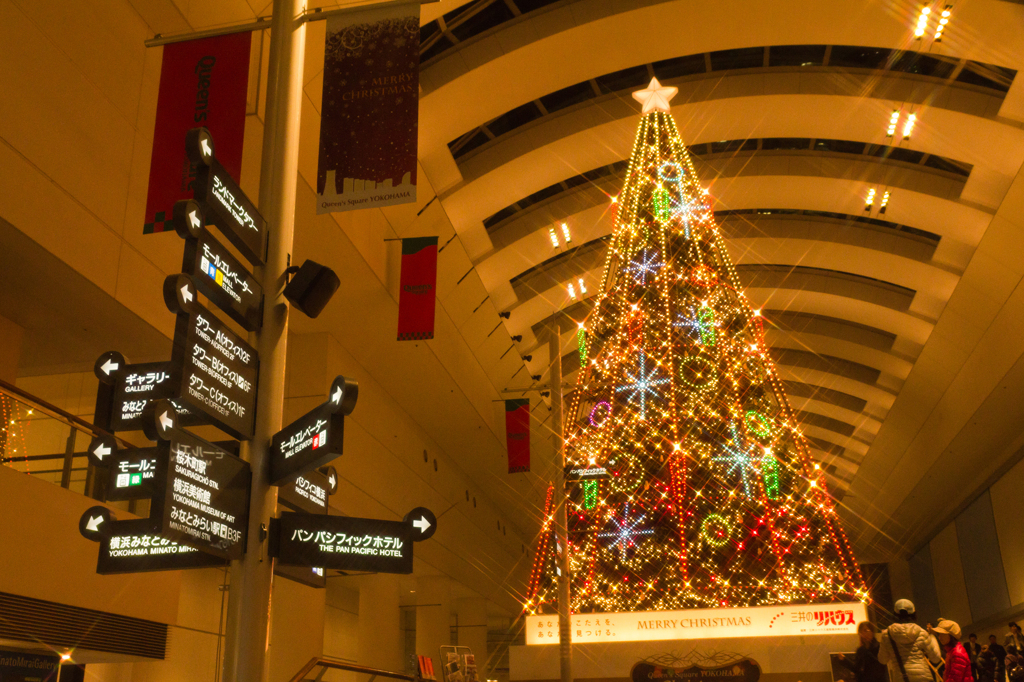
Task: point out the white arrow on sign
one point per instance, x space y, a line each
336 398
194 219
109 366
165 421
205 144
101 451
94 523
422 524
331 481
186 294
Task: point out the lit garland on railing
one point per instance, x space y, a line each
712 498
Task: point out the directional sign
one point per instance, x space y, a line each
223 201
216 272
575 472
205 491
342 542
133 547
95 523
332 478
135 386
109 366
307 493
133 474
423 523
214 368
314 439
101 450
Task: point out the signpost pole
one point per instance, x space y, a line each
561 513
249 604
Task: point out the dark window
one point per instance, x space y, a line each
480 138
839 146
923 64
540 195
796 55
428 30
743 58
566 97
511 120
947 165
531 5
853 57
726 146
620 166
597 173
680 66
776 143
621 80
490 16
904 155
500 216
437 48
987 76
575 181
698 149
450 17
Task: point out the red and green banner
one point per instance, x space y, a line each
517 434
370 109
418 289
202 83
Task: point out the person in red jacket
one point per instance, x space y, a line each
958 663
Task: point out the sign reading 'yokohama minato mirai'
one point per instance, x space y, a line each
761 621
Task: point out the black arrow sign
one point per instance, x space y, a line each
95 523
314 439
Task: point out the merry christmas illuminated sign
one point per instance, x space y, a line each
760 621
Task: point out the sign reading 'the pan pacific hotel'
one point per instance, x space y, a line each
761 621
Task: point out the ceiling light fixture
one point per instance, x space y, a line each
565 233
885 201
869 201
922 22
893 121
583 289
554 237
908 127
943 20
572 291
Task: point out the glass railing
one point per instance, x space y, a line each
44 441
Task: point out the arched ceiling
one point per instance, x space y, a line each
526 121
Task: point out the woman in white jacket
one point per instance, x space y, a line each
914 645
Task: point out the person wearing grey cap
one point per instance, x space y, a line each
906 647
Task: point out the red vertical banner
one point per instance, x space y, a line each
517 434
418 289
202 83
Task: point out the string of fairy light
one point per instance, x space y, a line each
711 497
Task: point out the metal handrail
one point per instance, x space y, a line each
337 664
56 412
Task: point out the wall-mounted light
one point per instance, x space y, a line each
885 202
869 200
893 122
943 21
572 291
908 127
565 233
583 288
554 237
922 22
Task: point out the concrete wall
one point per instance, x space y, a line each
972 571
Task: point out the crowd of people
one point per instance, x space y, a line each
907 652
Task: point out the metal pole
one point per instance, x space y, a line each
249 601
562 512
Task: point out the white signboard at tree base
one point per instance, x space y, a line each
796 620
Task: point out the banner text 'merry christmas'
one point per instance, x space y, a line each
385 85
692 623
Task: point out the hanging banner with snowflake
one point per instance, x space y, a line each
370 109
517 434
202 83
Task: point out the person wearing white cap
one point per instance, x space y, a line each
906 648
958 663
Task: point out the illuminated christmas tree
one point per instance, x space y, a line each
711 498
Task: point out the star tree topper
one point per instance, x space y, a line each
655 97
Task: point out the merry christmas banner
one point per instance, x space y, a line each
370 110
202 83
